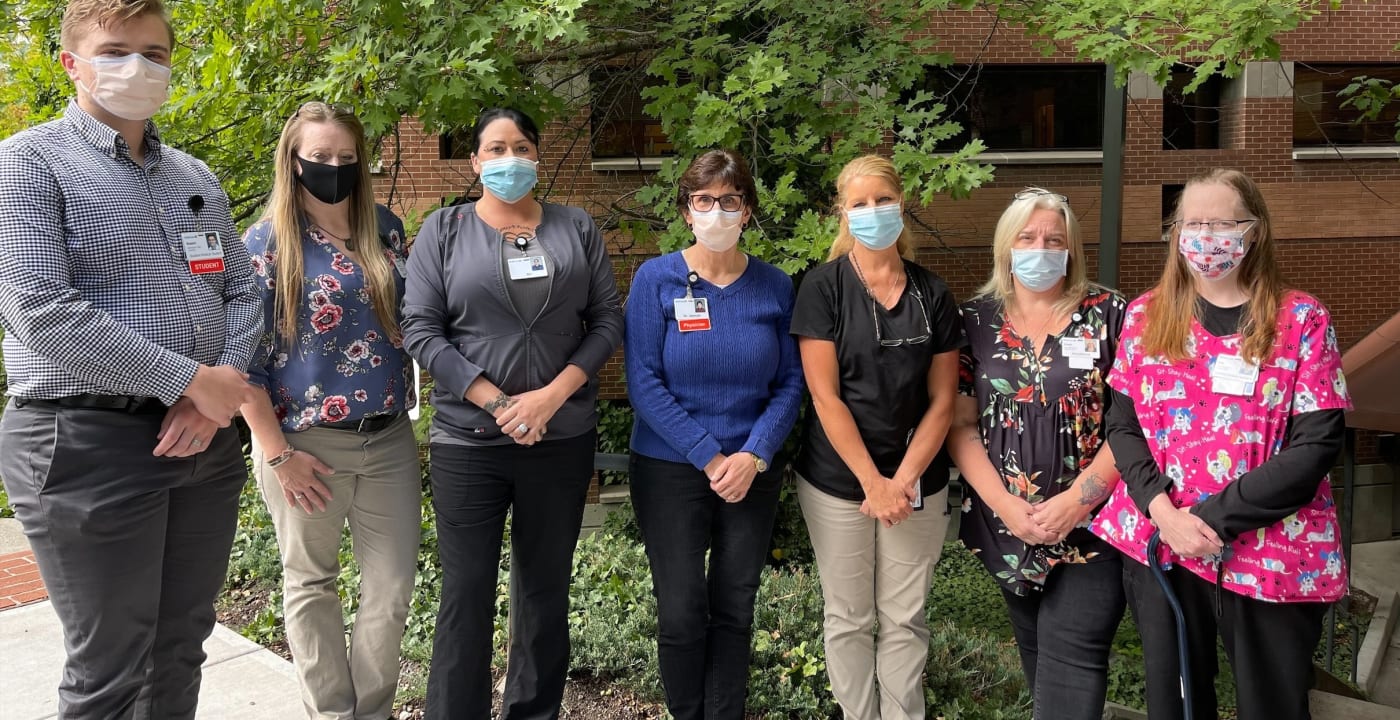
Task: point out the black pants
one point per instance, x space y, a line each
543 487
1270 646
704 623
133 549
1064 634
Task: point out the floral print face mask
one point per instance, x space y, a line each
1212 254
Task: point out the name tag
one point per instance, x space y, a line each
525 268
692 314
1082 352
1231 375
400 265
204 250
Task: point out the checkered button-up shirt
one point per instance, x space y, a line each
96 294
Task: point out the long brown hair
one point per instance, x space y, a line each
288 218
1173 302
866 166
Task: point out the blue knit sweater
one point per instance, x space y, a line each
736 387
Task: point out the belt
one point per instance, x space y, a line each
133 404
366 424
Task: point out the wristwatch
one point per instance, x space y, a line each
759 463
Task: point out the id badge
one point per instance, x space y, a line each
1082 352
204 250
692 313
400 266
1231 375
525 268
918 502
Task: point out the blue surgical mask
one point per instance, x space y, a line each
1039 270
509 178
876 227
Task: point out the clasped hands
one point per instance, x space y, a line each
1044 523
731 476
210 401
524 417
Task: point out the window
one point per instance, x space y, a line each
1191 121
1318 115
620 127
1023 107
455 145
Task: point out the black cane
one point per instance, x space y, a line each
1184 667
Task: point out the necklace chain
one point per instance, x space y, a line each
868 289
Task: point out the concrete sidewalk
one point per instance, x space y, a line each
242 680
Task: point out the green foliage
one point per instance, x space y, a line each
614 434
1152 36
1370 96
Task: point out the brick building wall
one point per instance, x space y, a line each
1336 219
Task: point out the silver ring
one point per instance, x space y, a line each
522 428
299 496
196 442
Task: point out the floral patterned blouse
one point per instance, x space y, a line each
344 365
1041 421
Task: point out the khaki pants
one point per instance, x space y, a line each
867 572
377 488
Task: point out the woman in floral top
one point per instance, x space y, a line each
331 440
1028 438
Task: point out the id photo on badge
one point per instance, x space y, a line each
700 306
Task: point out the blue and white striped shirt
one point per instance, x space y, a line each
96 295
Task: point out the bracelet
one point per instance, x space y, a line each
282 458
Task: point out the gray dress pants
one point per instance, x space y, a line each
133 549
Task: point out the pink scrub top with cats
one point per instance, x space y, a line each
1204 435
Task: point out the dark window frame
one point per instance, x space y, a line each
1024 120
1319 120
618 125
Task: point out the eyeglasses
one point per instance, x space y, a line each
706 203
1029 193
918 300
1216 225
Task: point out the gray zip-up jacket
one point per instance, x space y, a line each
460 324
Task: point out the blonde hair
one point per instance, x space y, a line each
287 216
80 14
866 166
1013 220
1173 302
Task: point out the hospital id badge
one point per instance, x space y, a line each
692 314
204 250
1082 352
525 268
1231 375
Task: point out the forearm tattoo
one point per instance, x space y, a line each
500 402
1092 490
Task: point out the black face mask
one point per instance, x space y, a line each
330 184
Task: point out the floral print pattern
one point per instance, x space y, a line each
1041 421
343 365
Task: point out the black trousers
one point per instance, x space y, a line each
1269 645
1064 634
133 549
704 622
543 488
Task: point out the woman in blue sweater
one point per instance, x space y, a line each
716 383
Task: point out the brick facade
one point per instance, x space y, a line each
1336 219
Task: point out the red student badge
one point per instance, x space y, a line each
204 250
692 313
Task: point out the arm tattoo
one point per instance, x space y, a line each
500 402
1093 490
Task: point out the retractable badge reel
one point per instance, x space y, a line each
204 249
692 313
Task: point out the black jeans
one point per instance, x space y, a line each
1269 644
704 623
1064 634
543 487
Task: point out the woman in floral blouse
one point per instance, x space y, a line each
331 440
1028 438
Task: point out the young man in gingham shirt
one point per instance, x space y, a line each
126 338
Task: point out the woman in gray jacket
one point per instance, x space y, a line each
512 307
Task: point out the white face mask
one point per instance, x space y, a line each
130 87
717 230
